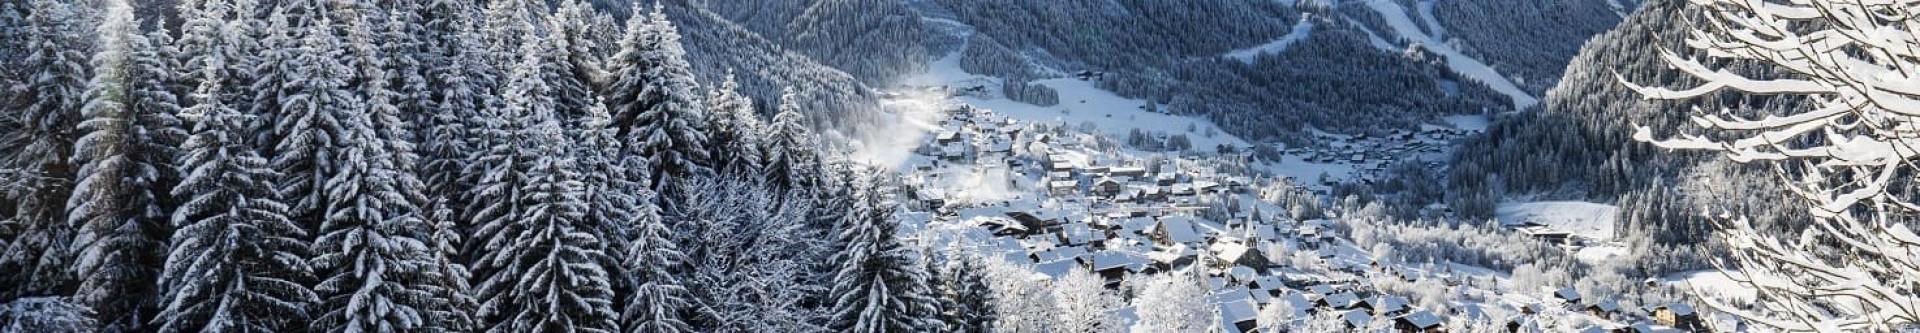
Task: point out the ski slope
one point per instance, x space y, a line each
1300 31
1404 26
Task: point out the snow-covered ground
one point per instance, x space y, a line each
1584 219
1477 123
1081 102
1404 26
1715 283
1300 31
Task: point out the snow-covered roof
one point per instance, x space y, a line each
1568 294
1109 259
1357 318
1229 251
1386 304
1179 229
1238 311
1056 269
1341 300
1421 319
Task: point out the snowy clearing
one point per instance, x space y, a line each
1584 219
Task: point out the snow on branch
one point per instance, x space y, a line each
1857 62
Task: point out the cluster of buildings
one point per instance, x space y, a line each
1123 217
1370 155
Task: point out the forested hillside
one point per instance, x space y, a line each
1532 40
433 166
1578 145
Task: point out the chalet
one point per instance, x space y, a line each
1205 186
1003 227
1239 315
1678 315
1165 179
1063 187
1108 187
1176 230
1081 234
1236 253
1356 319
1038 220
1567 295
1114 265
947 137
1181 190
1604 309
1340 301
1418 322
1546 234
1388 305
1129 172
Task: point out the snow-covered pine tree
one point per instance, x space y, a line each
402 41
607 177
463 82
966 301
653 101
47 108
733 130
236 262
790 146
229 31
377 268
273 65
574 71
880 286
508 25
655 297
308 127
539 268
127 155
1083 304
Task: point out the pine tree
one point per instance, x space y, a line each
653 102
790 145
573 69
540 268
309 126
657 297
378 271
127 155
48 113
879 286
734 130
966 300
236 261
510 24
608 180
463 85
